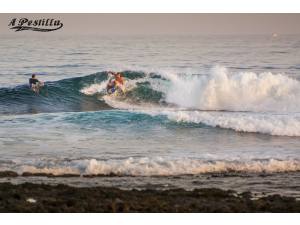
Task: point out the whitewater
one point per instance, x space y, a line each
249 102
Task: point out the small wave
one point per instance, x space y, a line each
273 124
159 167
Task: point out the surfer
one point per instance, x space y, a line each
119 79
35 84
116 83
111 86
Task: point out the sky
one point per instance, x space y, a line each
165 24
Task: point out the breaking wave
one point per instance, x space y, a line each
244 91
245 101
157 167
273 124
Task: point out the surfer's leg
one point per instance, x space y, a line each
35 88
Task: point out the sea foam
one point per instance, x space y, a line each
162 167
243 91
273 124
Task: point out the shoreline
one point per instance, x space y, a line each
11 173
30 197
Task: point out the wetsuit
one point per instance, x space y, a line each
33 81
111 86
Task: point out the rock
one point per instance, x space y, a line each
31 200
63 198
8 174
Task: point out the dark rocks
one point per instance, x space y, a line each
62 198
8 174
28 174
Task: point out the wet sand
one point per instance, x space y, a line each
29 197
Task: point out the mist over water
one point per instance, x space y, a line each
193 105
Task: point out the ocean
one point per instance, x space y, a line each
199 111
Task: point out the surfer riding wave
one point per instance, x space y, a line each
115 83
35 84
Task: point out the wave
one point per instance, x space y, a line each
273 124
270 124
220 90
68 95
244 91
156 167
57 96
245 102
248 102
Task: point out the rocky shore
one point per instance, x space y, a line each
30 197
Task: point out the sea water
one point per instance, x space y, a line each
199 111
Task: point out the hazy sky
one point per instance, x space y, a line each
136 24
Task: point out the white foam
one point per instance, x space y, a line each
49 170
245 91
284 125
101 87
165 167
127 104
94 88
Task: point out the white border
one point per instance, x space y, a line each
149 6
151 219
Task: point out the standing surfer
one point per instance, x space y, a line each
119 79
111 86
116 83
35 84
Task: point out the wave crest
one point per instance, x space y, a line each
282 125
245 91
